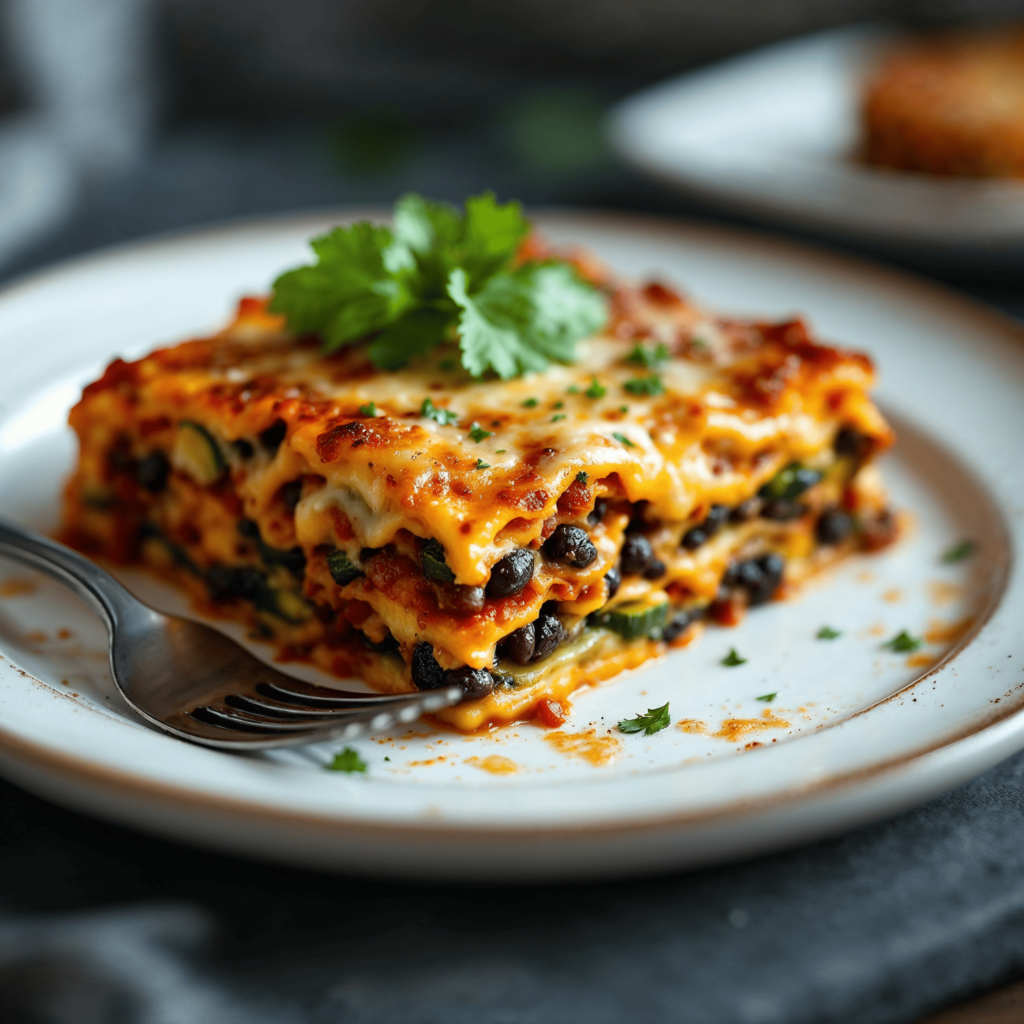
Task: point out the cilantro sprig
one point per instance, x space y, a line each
654 721
441 275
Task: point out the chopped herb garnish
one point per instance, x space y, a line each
531 403
732 659
572 390
596 389
558 416
903 642
387 758
480 464
791 482
767 697
430 411
645 386
622 439
370 409
828 633
477 433
433 563
347 761
440 274
500 451
623 408
647 357
654 721
958 552
581 477
558 405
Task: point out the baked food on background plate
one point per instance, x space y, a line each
949 105
446 453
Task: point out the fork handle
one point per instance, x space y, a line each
114 604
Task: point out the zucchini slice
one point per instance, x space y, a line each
434 565
634 620
343 569
197 454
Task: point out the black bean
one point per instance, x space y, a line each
291 492
636 554
678 621
473 682
228 583
694 538
850 442
570 544
656 568
834 526
548 633
716 518
426 673
614 580
152 472
519 645
244 448
272 437
760 577
747 510
782 510
598 512
511 574
247 528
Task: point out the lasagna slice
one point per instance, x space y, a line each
518 538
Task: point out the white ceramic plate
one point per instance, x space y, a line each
775 133
855 731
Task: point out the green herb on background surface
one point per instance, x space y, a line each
441 274
477 433
828 633
649 386
480 464
370 409
622 439
958 552
732 659
767 697
347 761
654 721
430 411
596 389
649 358
531 403
903 642
387 758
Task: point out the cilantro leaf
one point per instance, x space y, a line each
645 386
524 320
767 697
903 642
531 403
480 464
649 358
596 389
477 433
828 633
370 409
363 281
732 659
430 411
958 552
347 761
581 477
557 417
654 721
411 336
622 439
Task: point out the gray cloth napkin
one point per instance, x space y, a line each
101 925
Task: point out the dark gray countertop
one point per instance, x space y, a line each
98 924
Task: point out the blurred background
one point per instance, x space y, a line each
123 117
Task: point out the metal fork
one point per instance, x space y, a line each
197 684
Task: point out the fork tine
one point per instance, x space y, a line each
307 695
